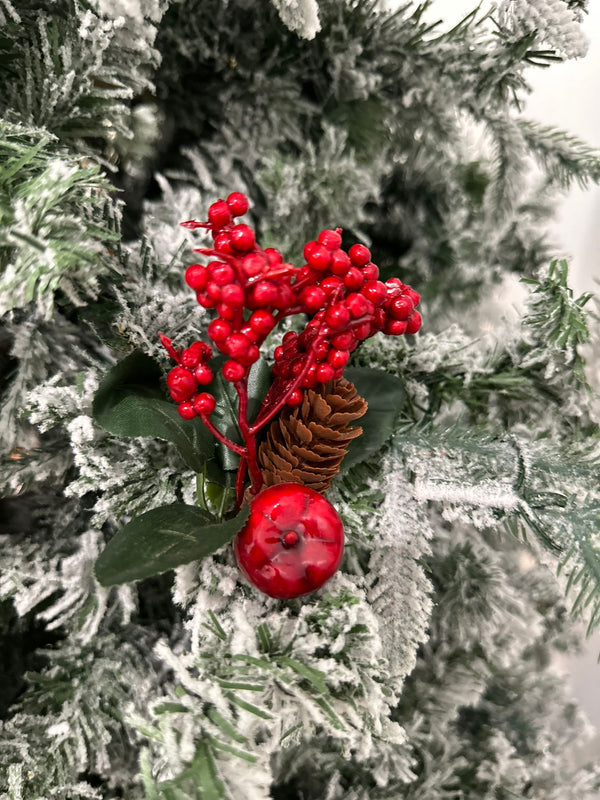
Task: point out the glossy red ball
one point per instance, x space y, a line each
204 403
219 214
238 203
401 308
196 276
359 255
233 371
330 239
203 374
219 330
292 543
312 297
242 238
186 410
414 322
181 383
340 263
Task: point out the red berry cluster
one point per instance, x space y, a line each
191 371
250 288
253 289
351 304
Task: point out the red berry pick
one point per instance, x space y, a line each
292 543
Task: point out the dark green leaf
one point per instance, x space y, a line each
385 395
162 539
225 416
130 401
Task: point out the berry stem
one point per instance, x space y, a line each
248 436
236 448
239 482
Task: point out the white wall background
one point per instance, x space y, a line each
567 95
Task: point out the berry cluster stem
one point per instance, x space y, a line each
249 437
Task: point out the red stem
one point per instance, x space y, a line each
236 448
239 482
248 436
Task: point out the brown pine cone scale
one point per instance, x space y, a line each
307 444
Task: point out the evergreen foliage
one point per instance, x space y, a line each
425 667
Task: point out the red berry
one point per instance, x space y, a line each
181 384
292 543
338 358
354 279
310 378
219 214
308 248
325 373
232 294
414 322
238 203
203 374
395 283
331 285
253 264
379 319
394 327
237 345
233 371
278 353
359 255
191 356
358 305
319 257
219 330
291 337
223 243
196 276
221 274
306 274
343 341
204 403
362 332
285 297
213 290
251 356
374 291
226 312
414 296
262 322
186 410
320 350
205 301
337 316
340 263
242 238
264 293
312 297
370 272
273 256
295 398
330 239
401 308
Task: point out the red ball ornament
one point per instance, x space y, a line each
292 543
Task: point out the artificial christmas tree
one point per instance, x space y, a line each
423 666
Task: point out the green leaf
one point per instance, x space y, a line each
162 539
385 395
225 416
130 401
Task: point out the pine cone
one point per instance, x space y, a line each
307 444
